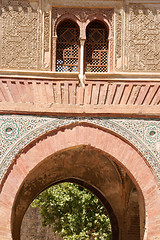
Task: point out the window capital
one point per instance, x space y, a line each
82 41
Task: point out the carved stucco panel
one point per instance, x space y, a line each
47 41
86 3
20 35
83 14
118 40
142 37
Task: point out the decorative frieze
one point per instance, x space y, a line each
83 13
18 131
86 3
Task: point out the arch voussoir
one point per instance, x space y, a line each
111 145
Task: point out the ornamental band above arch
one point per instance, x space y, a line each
18 131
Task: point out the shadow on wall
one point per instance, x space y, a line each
31 228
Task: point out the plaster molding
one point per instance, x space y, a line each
49 75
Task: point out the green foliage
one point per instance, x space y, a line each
73 212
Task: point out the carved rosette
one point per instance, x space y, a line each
9 130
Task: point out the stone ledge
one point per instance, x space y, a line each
50 75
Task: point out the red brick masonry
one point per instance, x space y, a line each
119 150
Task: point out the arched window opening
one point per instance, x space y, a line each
67 56
96 57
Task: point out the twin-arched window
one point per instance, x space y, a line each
95 48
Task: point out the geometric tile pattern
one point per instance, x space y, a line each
17 131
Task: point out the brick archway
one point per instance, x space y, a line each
115 148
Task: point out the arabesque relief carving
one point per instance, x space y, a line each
118 40
142 38
20 41
82 14
46 31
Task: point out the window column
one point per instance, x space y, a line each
54 46
81 70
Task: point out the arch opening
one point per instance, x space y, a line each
80 212
90 168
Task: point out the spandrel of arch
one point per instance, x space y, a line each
67 54
96 56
